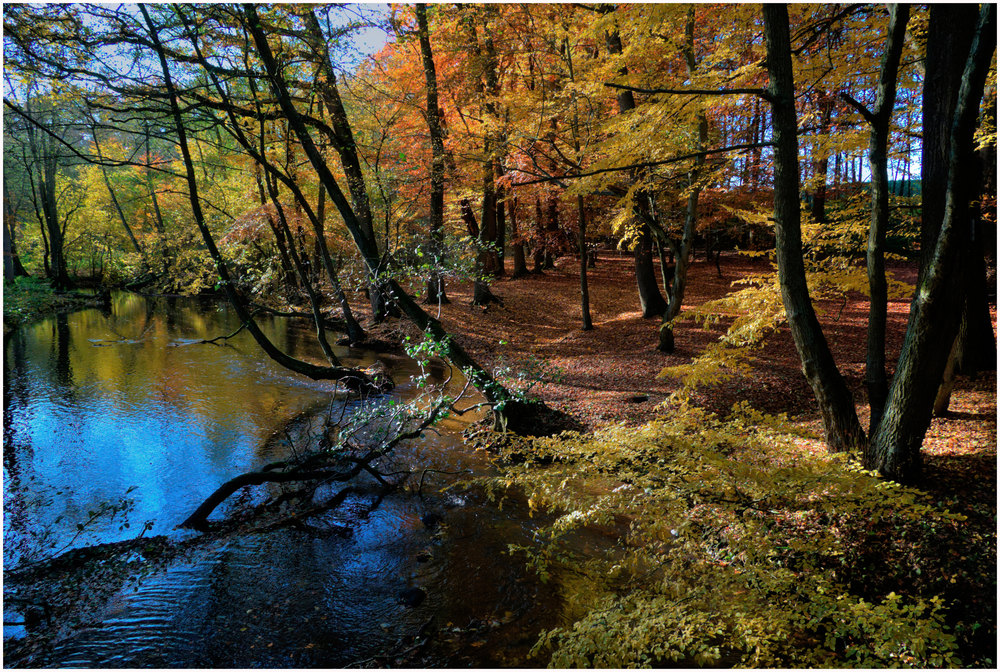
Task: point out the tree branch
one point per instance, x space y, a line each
649 164
694 92
860 107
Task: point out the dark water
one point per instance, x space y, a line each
102 406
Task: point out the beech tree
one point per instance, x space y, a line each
879 118
45 126
936 309
835 401
435 283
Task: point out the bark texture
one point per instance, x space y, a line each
836 404
936 309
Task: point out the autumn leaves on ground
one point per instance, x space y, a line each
610 374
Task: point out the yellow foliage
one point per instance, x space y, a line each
734 548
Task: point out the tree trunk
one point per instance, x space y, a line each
679 284
12 266
347 149
587 323
821 165
507 409
481 294
836 405
351 378
650 300
114 197
878 156
517 245
435 293
57 254
935 310
289 278
304 279
538 253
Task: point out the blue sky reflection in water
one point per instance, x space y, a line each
96 404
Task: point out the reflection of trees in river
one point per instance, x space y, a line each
61 344
13 392
17 448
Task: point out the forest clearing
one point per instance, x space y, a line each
500 335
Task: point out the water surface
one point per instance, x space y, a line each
104 405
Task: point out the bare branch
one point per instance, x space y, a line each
694 92
649 164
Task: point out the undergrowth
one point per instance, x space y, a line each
697 540
27 299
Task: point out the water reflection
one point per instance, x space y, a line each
97 403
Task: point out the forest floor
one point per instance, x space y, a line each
597 376
608 375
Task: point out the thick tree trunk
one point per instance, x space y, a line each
978 347
950 24
836 405
650 300
435 293
935 311
57 255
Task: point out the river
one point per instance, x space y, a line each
125 403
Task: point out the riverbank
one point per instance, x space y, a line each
604 377
27 300
607 377
610 374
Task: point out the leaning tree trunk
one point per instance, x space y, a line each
507 409
354 331
836 405
351 378
347 149
935 311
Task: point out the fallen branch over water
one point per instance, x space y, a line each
343 463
